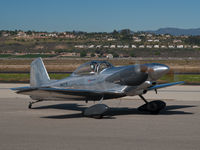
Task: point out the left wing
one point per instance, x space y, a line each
62 93
164 85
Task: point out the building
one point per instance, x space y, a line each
137 40
112 46
180 46
133 46
109 56
141 46
91 46
171 46
150 40
98 46
163 46
126 46
195 46
156 46
120 46
149 46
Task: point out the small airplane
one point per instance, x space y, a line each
97 81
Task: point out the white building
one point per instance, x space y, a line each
120 46
150 40
111 39
109 56
171 46
187 46
163 46
156 40
149 46
156 46
180 46
126 46
177 41
133 46
137 40
112 46
91 46
98 46
149 35
195 46
141 46
105 46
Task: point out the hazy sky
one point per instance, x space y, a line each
98 15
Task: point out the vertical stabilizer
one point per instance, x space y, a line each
38 73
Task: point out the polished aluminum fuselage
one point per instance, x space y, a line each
110 80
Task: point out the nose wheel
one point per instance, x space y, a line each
153 107
31 103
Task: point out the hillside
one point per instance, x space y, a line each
177 31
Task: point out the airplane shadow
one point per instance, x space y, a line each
112 113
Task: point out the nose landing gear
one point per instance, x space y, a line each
153 107
31 103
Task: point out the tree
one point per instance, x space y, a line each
193 40
83 54
126 34
92 55
115 34
29 32
115 55
132 54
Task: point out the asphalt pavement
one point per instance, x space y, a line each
60 125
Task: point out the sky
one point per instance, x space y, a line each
98 15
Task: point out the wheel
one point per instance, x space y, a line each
153 107
30 106
98 117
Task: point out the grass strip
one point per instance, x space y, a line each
24 77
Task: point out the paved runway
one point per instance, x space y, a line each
59 125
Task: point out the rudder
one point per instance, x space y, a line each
38 73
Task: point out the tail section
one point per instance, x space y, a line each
38 73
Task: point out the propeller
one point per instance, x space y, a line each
172 76
143 68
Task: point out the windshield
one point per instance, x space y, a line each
91 68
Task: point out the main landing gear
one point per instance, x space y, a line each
154 107
96 111
31 103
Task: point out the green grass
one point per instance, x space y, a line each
190 79
24 77
34 56
5 55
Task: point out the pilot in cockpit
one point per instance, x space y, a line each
93 67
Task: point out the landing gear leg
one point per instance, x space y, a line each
142 97
96 111
31 103
154 107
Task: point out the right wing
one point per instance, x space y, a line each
164 85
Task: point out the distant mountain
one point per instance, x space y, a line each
177 31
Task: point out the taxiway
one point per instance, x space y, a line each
60 125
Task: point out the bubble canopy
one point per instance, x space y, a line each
91 68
